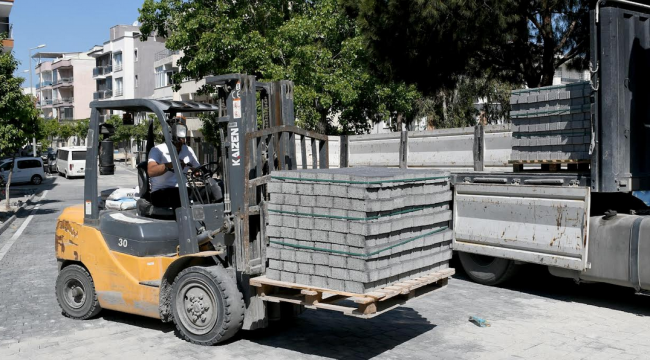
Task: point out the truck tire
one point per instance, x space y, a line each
75 292
487 270
207 306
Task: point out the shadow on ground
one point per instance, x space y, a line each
135 320
337 336
536 280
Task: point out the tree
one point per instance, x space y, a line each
80 129
51 129
18 113
66 130
432 43
313 43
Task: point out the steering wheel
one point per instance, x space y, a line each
206 169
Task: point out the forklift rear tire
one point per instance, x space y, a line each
487 270
208 307
75 292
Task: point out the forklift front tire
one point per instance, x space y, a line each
75 292
207 306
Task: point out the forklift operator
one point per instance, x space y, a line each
164 187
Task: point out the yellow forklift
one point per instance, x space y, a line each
191 265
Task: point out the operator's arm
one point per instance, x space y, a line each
154 169
156 165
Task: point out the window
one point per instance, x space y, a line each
119 87
136 81
163 77
78 155
67 113
63 155
28 164
6 166
117 59
135 54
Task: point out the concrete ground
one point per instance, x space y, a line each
537 316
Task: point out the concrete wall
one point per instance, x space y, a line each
144 67
84 86
448 149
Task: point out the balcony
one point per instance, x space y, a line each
63 101
119 92
102 70
46 103
165 54
103 94
43 84
67 116
64 81
8 43
117 67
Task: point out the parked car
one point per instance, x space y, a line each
26 169
27 151
71 161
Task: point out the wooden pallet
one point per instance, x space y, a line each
364 306
550 165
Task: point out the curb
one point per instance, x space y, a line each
13 217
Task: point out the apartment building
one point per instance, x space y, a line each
5 25
123 65
64 84
165 66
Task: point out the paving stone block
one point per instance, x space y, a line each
287 276
290 266
273 274
303 257
322 270
303 279
319 281
339 273
308 269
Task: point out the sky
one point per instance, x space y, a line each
65 25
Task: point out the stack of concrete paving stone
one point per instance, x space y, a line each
357 229
551 123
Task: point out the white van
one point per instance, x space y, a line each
71 161
26 169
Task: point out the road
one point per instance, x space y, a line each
537 316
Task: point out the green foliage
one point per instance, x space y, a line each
18 114
80 128
66 130
432 43
314 44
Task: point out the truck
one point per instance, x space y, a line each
585 220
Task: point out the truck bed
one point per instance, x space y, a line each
560 178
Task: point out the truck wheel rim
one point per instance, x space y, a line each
75 294
196 307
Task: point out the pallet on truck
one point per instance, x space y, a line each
364 306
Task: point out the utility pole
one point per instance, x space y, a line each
31 89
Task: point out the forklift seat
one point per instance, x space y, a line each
144 206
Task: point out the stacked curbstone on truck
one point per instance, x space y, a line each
357 229
551 123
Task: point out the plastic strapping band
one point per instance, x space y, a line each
360 182
359 254
355 218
